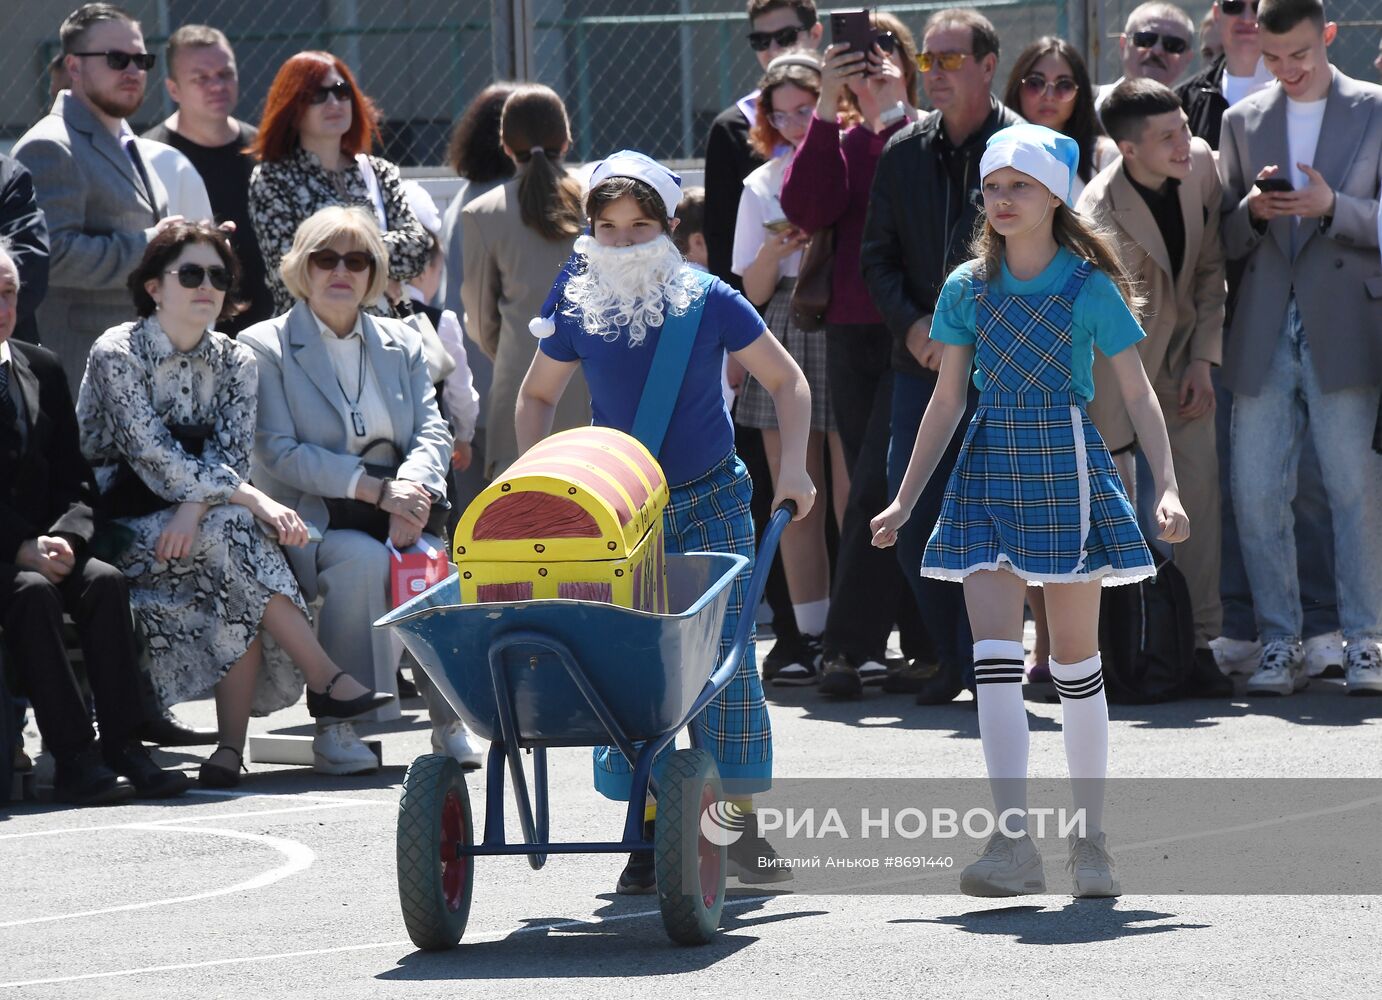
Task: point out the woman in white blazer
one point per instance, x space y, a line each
340 389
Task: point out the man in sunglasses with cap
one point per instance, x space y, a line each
102 201
1157 42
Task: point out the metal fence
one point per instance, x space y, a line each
644 73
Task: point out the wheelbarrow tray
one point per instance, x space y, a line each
648 669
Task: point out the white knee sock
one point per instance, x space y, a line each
1003 725
811 616
1085 726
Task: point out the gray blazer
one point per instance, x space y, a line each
100 219
300 443
1334 273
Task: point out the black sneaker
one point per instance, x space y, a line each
1206 680
753 861
83 780
910 677
873 671
839 677
943 687
784 651
131 760
639 877
803 668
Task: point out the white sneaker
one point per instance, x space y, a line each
1091 868
1324 655
1236 656
1364 672
337 750
453 740
1007 867
1282 670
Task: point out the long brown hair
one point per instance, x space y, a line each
1083 125
535 128
1080 235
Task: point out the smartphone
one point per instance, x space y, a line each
1279 185
777 226
853 28
313 532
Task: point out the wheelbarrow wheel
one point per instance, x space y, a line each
434 885
690 868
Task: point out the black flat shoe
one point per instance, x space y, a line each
323 706
131 760
215 776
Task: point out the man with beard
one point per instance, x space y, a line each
102 202
1156 42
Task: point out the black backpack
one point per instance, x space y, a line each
1147 638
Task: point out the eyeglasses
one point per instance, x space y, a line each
760 41
948 61
1170 44
192 276
886 41
339 90
118 60
1063 88
801 116
1235 7
355 261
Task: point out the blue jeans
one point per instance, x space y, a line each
1268 431
1314 539
941 603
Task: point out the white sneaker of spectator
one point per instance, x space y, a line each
1091 868
337 750
1364 667
1236 656
1324 655
1282 670
454 740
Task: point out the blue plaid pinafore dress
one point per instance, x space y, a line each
1034 489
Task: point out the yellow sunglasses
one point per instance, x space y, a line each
948 61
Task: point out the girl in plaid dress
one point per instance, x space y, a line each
606 319
1034 498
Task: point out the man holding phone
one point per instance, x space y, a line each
1301 355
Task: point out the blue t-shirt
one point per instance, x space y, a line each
1100 316
700 433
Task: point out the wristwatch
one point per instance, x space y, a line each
894 114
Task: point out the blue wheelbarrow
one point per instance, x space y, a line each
530 675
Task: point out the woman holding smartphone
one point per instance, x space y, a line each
767 256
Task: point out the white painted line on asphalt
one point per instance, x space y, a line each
342 949
299 858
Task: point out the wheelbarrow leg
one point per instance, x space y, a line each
508 726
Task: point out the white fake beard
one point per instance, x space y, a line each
630 286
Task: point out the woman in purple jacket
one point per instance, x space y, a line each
827 185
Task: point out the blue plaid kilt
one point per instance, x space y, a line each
1035 491
711 514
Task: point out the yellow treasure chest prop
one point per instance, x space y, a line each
579 516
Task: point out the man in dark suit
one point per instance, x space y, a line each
22 221
45 526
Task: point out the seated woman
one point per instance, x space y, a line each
351 438
167 416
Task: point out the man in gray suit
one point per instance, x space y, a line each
102 203
1300 165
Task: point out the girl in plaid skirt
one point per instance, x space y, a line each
606 316
1034 498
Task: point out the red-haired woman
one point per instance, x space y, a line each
313 150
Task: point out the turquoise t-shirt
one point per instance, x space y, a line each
1100 316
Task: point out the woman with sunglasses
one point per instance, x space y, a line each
826 186
767 257
167 418
313 150
350 437
1049 85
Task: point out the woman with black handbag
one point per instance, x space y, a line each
349 436
167 416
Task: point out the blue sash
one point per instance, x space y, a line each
663 387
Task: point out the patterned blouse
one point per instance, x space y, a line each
284 193
137 384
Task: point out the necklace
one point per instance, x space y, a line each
357 419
